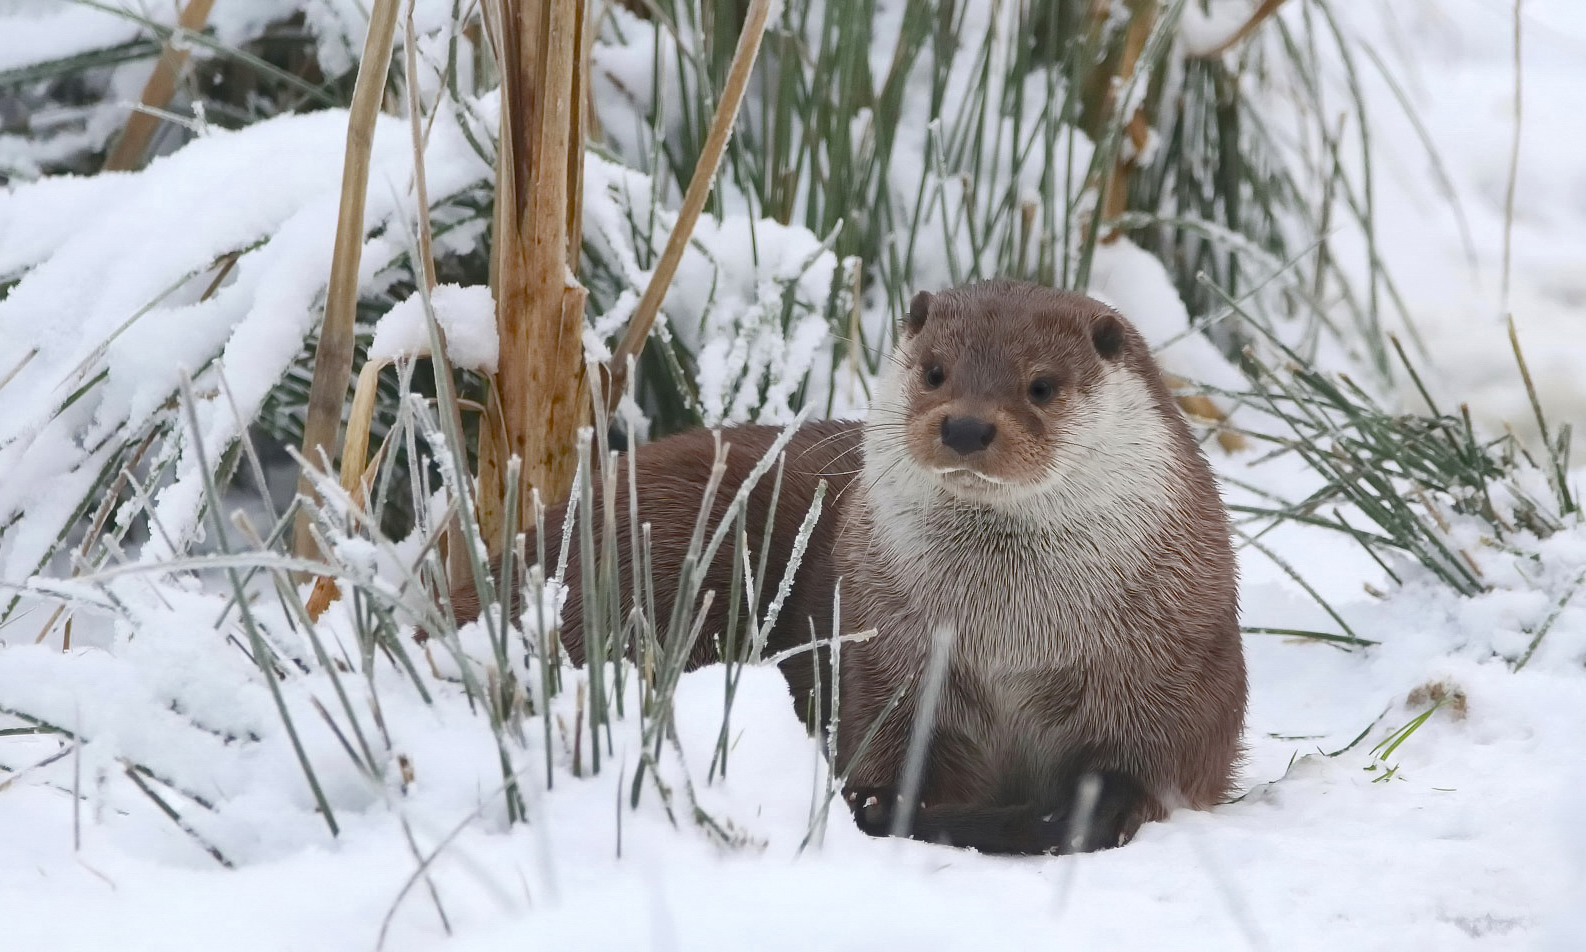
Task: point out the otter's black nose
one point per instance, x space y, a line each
967 434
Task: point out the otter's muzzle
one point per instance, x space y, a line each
966 435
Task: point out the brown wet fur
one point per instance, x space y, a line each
672 476
1090 688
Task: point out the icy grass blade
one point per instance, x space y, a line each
1558 452
261 657
1350 637
427 860
449 450
893 701
1323 636
595 643
727 646
674 651
819 805
943 645
609 577
759 630
364 757
165 808
83 62
795 559
1552 616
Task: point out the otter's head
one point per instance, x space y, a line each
1003 391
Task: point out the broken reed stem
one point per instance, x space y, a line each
421 187
1142 20
1267 8
333 355
539 396
133 143
693 200
353 467
1530 385
1201 407
360 420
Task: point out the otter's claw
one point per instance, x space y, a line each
874 808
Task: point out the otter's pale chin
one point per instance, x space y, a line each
971 486
963 475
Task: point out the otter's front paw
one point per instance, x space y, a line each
874 808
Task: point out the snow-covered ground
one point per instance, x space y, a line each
1468 835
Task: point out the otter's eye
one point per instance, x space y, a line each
935 376
1042 389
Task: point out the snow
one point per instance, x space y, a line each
38 31
1204 31
466 314
1466 836
1138 286
66 30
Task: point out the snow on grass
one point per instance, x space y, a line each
749 299
111 311
39 32
466 314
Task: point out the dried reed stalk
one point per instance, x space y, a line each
1113 78
357 471
1142 18
693 200
333 356
354 469
133 143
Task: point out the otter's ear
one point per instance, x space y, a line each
918 308
1107 336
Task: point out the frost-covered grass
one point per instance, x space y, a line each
190 757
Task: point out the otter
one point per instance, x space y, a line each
1031 488
1028 525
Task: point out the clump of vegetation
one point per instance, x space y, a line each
1412 476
